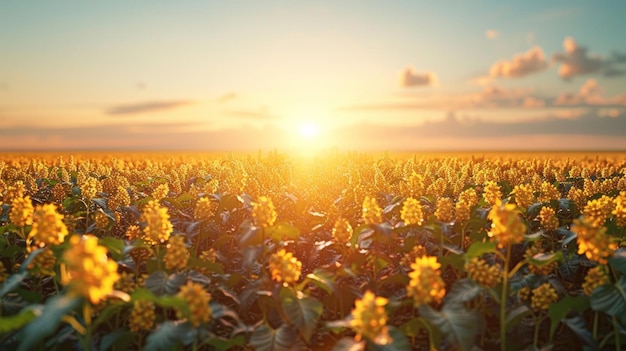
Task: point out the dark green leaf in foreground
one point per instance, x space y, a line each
167 336
558 311
459 325
463 290
611 299
160 283
48 321
479 248
17 321
302 311
285 338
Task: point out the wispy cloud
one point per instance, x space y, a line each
262 114
520 65
491 34
226 97
150 106
410 78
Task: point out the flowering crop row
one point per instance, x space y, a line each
340 252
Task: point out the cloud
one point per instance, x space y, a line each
152 106
410 78
261 114
491 34
142 136
520 65
590 94
226 97
576 60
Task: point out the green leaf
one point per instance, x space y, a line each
48 321
167 336
579 327
160 283
515 316
559 310
303 312
323 280
102 203
618 261
17 321
456 323
249 235
282 232
119 339
463 290
543 259
265 338
12 283
479 248
610 299
115 247
163 301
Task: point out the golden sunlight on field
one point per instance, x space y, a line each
332 251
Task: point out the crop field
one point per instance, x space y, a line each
339 251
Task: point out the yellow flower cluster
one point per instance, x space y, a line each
469 196
620 209
539 270
120 198
506 226
524 196
263 212
158 227
160 192
548 192
89 189
549 221
176 255
484 274
21 213
445 210
203 210
369 319
593 241
595 278
426 285
415 183
596 211
410 257
88 271
284 267
492 193
43 263
371 211
543 296
523 293
48 227
133 232
342 231
462 211
198 301
411 212
142 316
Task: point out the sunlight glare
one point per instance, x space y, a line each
308 130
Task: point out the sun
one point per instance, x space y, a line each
308 130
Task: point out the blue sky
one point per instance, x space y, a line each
395 75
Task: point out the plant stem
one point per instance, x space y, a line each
595 325
503 298
537 325
618 345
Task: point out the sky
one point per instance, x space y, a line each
309 75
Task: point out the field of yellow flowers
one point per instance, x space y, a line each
341 251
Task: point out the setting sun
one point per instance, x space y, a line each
308 130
